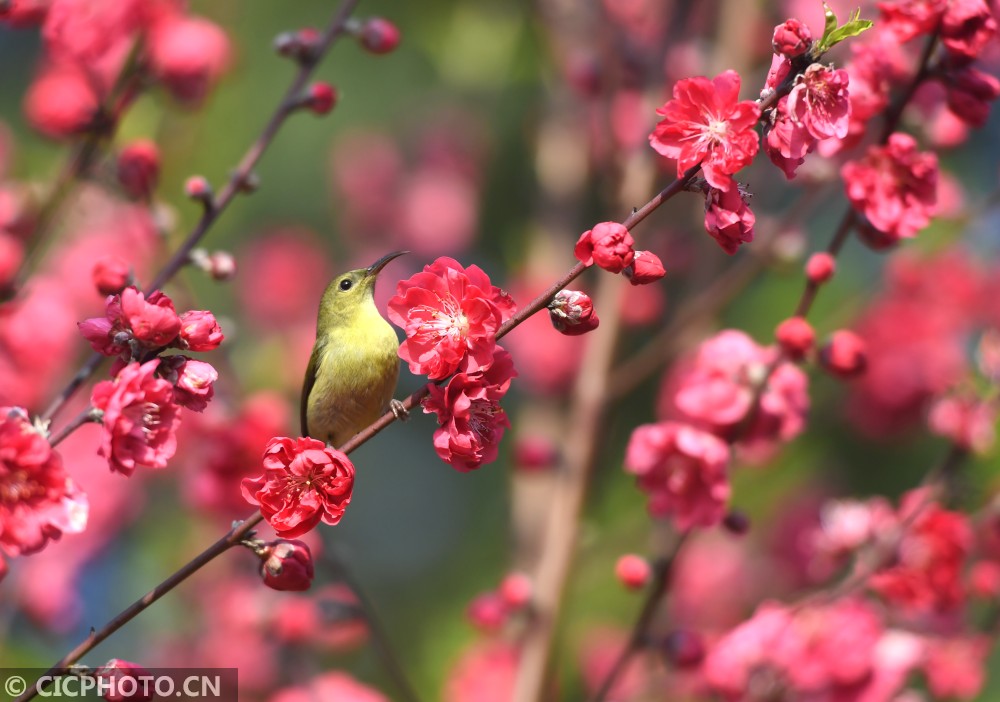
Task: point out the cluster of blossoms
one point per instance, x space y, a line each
706 124
87 44
707 402
140 407
451 316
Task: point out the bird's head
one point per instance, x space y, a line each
349 291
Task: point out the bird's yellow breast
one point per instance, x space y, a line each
356 373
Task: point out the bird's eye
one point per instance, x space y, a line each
345 284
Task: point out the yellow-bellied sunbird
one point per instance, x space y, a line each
353 369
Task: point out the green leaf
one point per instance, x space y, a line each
833 34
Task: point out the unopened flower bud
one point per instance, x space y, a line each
844 355
199 331
791 38
683 648
118 670
198 188
645 268
572 313
300 45
111 274
736 522
820 267
516 590
139 168
608 244
487 612
632 571
534 453
287 564
379 35
796 337
320 98
222 265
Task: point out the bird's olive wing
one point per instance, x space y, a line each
307 386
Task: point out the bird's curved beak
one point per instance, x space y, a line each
376 268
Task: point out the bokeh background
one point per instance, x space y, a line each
496 133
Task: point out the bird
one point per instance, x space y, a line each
353 369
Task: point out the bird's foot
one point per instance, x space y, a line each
399 410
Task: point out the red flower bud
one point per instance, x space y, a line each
796 337
487 612
608 244
379 35
516 590
820 267
791 39
287 565
197 188
61 102
572 313
300 45
200 331
645 268
122 681
534 453
320 98
844 355
111 274
633 571
139 168
188 54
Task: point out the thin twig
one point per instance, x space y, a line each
380 639
662 570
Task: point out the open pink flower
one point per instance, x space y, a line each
706 123
818 651
786 140
683 470
153 321
715 389
469 414
907 19
966 28
140 418
728 217
926 575
305 482
38 501
894 186
451 315
819 102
